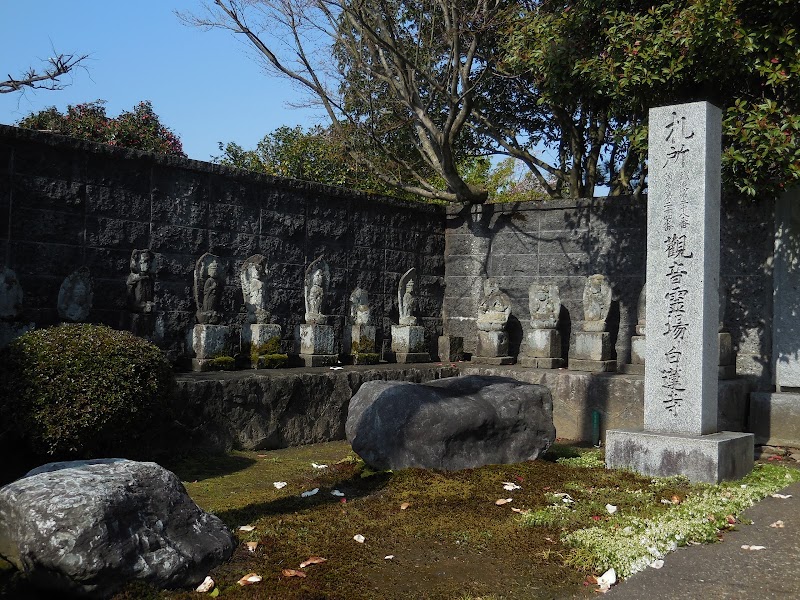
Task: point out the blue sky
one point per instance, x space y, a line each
205 85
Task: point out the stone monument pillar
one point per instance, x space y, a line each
359 333
408 338
10 308
316 340
494 309
593 348
681 368
76 295
211 341
638 341
542 348
261 340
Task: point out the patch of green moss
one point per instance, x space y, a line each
366 358
222 363
272 361
271 346
364 345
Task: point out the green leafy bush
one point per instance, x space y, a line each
79 391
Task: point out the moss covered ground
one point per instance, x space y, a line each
450 541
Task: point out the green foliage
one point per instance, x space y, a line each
272 361
587 460
611 61
222 363
83 390
140 128
366 358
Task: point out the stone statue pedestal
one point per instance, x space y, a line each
408 344
317 347
359 342
492 348
451 348
542 350
638 350
209 343
727 357
143 325
262 342
592 352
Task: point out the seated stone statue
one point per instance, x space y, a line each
494 308
544 302
596 303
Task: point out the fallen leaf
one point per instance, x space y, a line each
215 593
775 457
279 484
676 500
292 573
313 560
590 580
781 496
359 538
261 455
730 519
551 540
252 546
510 487
309 493
405 505
520 479
520 510
249 579
665 501
596 517
566 498
751 547
337 493
343 500
246 528
611 509
318 466
206 586
606 580
388 557
778 524
502 501
657 564
336 368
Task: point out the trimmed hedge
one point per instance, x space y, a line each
83 391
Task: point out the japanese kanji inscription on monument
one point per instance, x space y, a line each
682 269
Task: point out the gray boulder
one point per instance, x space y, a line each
88 527
452 423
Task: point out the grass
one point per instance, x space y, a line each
452 541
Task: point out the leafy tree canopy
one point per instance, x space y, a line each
140 128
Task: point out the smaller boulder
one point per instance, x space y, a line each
453 423
86 528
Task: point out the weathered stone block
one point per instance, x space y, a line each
540 363
638 349
408 339
592 345
316 339
451 348
726 354
775 418
209 341
412 357
543 343
707 458
592 366
492 344
360 339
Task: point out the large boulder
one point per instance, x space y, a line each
88 527
452 423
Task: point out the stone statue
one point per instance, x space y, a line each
318 278
140 282
596 303
544 301
209 284
494 308
253 275
359 307
10 295
406 301
76 295
641 310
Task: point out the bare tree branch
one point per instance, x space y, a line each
45 79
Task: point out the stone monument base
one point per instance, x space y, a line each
592 345
493 360
211 343
535 362
543 343
632 369
702 458
592 366
316 339
412 357
451 348
409 339
319 360
492 343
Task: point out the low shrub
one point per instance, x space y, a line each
81 391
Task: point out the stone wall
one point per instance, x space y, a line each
66 203
564 241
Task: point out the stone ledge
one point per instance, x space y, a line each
318 360
592 366
702 458
775 418
493 360
536 362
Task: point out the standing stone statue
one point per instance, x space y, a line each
209 285
542 348
318 278
140 282
10 307
638 341
359 334
593 351
211 340
316 340
494 309
253 275
408 338
406 302
596 303
76 295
